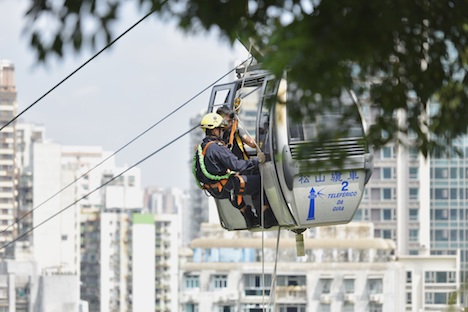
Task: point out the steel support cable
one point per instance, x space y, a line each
273 279
119 150
76 70
97 188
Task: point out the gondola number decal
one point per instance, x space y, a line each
339 188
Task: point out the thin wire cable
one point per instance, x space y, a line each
262 222
76 70
119 150
97 188
273 279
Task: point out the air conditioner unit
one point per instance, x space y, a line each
232 296
325 298
376 298
350 298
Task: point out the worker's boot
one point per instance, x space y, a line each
269 218
251 220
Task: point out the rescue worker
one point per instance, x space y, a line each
233 136
224 176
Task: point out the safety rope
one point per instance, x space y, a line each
201 161
239 104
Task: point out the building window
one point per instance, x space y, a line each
413 193
413 173
409 277
440 277
413 235
375 285
387 152
436 298
253 284
453 173
348 285
324 307
219 281
192 281
441 173
409 298
441 214
441 235
375 307
325 285
191 307
387 214
387 173
413 214
387 194
292 308
291 280
226 308
387 234
348 307
453 193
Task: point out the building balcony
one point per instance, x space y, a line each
377 298
325 298
292 292
350 298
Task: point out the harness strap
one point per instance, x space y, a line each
206 147
233 131
241 189
234 135
218 185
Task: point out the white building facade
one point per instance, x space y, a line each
344 269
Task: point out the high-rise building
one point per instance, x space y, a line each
165 200
419 202
197 211
27 135
8 169
167 262
143 243
448 194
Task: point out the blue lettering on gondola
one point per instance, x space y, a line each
336 176
320 178
342 194
353 175
303 179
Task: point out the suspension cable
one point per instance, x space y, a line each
97 188
17 220
76 70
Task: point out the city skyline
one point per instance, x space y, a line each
141 79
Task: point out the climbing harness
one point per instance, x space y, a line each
217 189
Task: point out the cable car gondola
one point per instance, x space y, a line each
301 197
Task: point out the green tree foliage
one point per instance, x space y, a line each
399 54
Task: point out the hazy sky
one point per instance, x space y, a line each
144 76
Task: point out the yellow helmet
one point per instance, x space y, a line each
212 121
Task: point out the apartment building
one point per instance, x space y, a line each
344 268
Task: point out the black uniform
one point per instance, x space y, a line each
218 160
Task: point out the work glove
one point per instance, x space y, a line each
261 157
